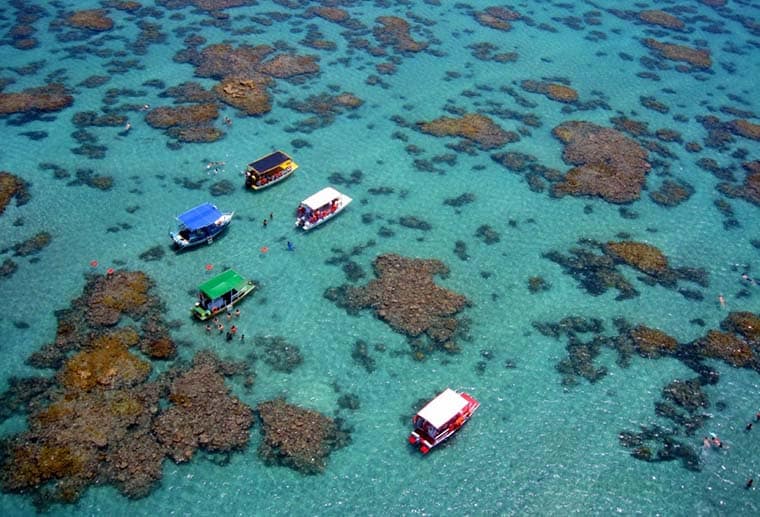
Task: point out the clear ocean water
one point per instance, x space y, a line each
535 447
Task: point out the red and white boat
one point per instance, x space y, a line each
320 207
440 418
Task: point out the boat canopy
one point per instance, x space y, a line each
200 216
222 284
268 162
321 198
443 408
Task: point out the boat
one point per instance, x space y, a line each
320 207
440 418
200 225
220 293
269 170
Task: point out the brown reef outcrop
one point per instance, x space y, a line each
295 437
607 163
697 58
478 128
53 97
405 296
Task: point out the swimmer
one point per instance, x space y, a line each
291 247
722 301
127 126
716 442
145 107
706 443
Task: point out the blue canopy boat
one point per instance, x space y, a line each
200 225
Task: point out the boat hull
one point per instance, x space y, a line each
180 243
286 174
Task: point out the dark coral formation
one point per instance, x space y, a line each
32 245
498 18
580 356
299 438
12 187
655 444
251 96
697 58
99 420
53 97
393 31
187 123
203 413
639 255
324 108
92 19
672 193
598 272
405 296
245 77
652 343
109 297
661 19
555 91
745 128
749 190
607 163
475 127
684 402
278 353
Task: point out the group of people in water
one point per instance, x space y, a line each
232 332
712 440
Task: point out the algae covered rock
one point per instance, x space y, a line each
607 163
295 437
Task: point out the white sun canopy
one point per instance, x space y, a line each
321 198
443 408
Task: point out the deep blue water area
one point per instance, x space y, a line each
546 440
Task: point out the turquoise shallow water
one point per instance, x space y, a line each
535 447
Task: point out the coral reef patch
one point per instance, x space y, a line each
598 272
607 163
405 296
298 438
101 419
475 127
12 187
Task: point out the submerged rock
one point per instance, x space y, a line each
607 163
405 296
99 420
12 187
53 97
299 438
204 414
474 127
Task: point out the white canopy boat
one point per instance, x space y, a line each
320 207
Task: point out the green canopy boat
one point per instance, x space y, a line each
220 293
